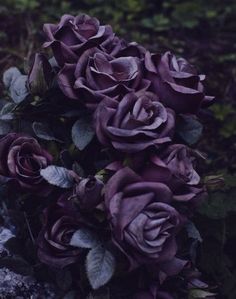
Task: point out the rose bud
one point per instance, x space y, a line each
60 222
40 75
98 74
143 222
22 158
88 191
175 166
176 82
73 35
135 123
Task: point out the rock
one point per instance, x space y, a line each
16 286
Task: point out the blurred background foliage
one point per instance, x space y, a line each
203 32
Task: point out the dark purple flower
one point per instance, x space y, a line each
176 82
89 192
40 75
143 222
60 222
134 123
132 49
22 158
97 74
73 35
175 166
120 48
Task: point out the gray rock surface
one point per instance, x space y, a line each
16 286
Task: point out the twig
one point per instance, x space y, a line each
12 53
29 229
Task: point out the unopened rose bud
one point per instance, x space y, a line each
40 75
89 192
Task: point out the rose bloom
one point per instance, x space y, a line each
98 74
60 222
73 35
134 123
120 48
175 166
176 82
143 222
22 158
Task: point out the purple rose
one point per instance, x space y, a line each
176 82
98 74
89 192
132 49
22 158
73 35
120 48
60 222
175 166
40 75
143 222
134 123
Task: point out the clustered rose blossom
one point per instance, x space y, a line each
96 63
135 98
144 223
175 166
176 82
22 158
97 74
60 221
134 122
73 35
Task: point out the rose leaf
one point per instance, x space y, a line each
57 176
82 133
42 131
5 127
10 75
84 238
189 129
100 266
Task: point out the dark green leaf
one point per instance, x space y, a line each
63 279
78 169
82 132
16 83
5 127
58 176
100 266
189 129
6 111
44 132
10 76
199 294
84 238
18 89
193 232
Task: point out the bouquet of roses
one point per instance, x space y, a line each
95 160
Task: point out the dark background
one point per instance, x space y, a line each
202 31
